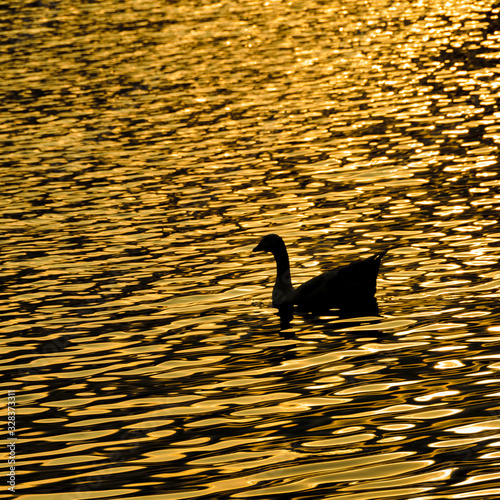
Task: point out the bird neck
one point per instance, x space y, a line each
283 277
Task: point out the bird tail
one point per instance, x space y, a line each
377 259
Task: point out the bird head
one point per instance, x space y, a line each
269 243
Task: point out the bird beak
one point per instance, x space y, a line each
258 248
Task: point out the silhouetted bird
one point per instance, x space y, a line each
350 288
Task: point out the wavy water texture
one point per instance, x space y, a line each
147 146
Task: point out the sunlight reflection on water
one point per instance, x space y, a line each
148 147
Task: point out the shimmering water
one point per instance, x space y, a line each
146 148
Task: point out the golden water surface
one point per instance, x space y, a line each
147 146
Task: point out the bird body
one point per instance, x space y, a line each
349 288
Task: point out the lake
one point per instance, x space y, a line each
147 146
